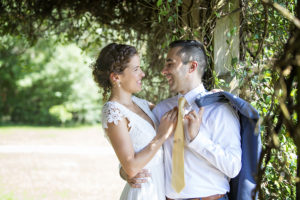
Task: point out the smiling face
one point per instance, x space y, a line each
175 71
131 78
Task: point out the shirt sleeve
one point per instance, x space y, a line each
157 112
219 140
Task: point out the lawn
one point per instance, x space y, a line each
50 163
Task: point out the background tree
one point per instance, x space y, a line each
45 84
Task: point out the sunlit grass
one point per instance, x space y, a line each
7 196
49 176
12 128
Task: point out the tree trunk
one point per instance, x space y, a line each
226 43
297 132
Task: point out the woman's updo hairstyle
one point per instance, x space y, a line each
112 58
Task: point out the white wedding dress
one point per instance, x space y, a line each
141 133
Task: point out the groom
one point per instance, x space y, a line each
212 151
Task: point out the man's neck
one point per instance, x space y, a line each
190 87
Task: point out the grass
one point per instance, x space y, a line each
14 126
7 129
4 194
37 176
7 196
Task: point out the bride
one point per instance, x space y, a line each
128 122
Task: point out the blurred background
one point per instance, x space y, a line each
47 84
52 145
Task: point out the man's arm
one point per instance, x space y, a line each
218 140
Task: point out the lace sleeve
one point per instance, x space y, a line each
111 114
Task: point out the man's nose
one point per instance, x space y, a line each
164 71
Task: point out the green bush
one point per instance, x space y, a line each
61 113
44 78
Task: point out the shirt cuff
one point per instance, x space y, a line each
200 142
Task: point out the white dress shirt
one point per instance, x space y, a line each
213 156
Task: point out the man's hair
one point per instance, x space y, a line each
191 50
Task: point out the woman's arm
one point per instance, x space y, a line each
120 139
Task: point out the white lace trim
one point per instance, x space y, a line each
111 113
141 131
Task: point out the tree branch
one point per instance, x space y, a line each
284 12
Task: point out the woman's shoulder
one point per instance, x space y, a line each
109 104
111 113
110 107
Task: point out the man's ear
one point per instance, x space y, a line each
193 67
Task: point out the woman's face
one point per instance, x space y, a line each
131 78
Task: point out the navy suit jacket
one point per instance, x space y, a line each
242 185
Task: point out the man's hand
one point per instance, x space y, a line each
217 90
136 182
141 177
194 121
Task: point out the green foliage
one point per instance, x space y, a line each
61 113
266 26
46 84
36 19
279 181
266 32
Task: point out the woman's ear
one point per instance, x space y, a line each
114 77
193 67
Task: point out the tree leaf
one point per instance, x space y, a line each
158 3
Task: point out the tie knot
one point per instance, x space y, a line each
181 102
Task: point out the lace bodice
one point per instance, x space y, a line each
141 131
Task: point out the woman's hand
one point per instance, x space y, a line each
168 123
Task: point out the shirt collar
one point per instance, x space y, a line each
191 95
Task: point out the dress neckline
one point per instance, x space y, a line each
136 103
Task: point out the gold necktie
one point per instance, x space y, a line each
178 182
